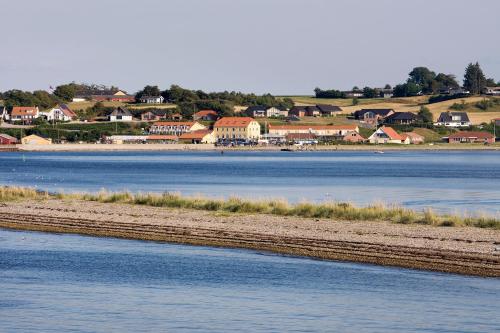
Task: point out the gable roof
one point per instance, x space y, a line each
314 127
402 116
203 113
233 122
24 110
391 133
312 108
328 108
66 110
448 116
119 111
472 134
254 108
8 137
412 135
200 134
380 112
174 123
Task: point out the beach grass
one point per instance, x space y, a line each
328 210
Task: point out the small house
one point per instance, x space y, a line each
151 99
200 136
328 110
256 111
372 116
207 115
297 111
313 111
401 118
61 112
415 138
154 115
387 135
24 114
453 119
471 137
120 114
353 137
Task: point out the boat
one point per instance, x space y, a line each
286 149
378 152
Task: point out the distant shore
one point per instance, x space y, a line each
211 147
462 250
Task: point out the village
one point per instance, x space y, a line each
255 125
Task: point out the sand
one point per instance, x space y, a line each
463 250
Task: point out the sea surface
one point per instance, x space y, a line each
70 283
464 182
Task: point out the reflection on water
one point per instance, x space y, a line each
69 283
457 182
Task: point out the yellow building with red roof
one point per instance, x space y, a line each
237 128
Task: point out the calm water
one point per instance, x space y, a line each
68 283
454 182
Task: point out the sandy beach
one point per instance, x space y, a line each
462 250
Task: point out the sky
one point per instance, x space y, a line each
285 47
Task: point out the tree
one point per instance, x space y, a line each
474 79
423 77
446 81
425 115
355 101
489 83
66 92
407 89
388 86
369 92
148 91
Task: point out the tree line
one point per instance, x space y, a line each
422 80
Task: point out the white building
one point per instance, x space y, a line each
152 99
59 113
453 119
120 114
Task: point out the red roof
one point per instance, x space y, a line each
23 110
200 134
233 122
314 127
391 133
471 134
203 113
174 123
162 137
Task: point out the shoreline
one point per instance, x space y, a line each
211 147
461 250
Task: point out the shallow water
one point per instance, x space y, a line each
448 181
70 283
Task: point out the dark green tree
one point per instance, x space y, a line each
369 92
423 77
425 115
65 92
474 79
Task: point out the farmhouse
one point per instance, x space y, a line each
151 99
387 135
471 137
401 118
175 127
6 139
25 114
200 136
207 115
453 119
230 128
60 112
120 114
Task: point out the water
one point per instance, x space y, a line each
69 283
455 182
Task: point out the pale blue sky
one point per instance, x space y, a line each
277 46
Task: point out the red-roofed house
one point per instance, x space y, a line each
175 127
230 128
209 115
387 135
25 114
200 136
471 137
415 138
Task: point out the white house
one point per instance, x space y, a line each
120 114
453 119
388 135
59 113
4 115
152 99
492 90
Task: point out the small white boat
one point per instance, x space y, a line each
378 152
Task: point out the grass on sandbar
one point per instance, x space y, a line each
333 210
